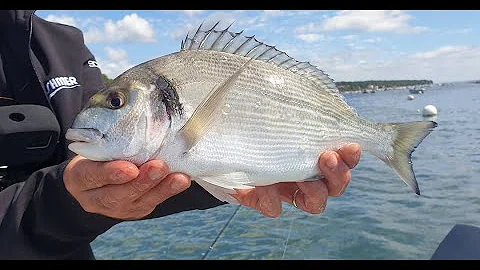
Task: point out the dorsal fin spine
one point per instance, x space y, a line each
195 36
283 62
294 65
243 44
278 53
270 47
253 49
207 35
221 35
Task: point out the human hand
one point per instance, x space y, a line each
119 189
309 196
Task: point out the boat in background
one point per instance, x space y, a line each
416 90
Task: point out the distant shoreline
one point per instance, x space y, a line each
372 86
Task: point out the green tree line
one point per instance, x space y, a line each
361 85
106 79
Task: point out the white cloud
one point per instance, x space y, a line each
459 31
311 37
274 13
267 14
373 40
63 19
89 21
193 12
310 27
444 64
464 31
371 21
444 51
131 28
225 19
349 37
115 63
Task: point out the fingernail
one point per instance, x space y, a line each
266 207
356 154
120 177
178 185
331 162
156 174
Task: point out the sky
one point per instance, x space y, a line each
349 45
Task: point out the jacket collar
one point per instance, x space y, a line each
16 17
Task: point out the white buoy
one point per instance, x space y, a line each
429 110
410 97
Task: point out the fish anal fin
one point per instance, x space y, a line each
222 186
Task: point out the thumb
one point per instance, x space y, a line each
83 174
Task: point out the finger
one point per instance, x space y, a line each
264 199
350 154
337 174
82 174
286 190
170 186
269 202
151 174
113 200
246 197
312 197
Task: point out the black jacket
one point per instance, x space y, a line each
39 219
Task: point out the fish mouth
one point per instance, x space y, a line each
84 135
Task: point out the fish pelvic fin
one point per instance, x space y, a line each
221 186
205 114
407 137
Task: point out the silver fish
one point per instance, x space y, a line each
234 113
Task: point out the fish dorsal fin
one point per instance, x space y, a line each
248 46
208 110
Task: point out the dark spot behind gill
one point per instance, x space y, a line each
169 97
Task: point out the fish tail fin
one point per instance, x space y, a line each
406 137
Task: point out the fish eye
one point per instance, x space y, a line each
116 100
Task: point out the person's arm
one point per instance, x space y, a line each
41 220
38 217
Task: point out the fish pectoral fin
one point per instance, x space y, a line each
221 186
204 115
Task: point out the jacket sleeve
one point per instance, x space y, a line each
40 219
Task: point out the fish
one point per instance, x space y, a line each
234 113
